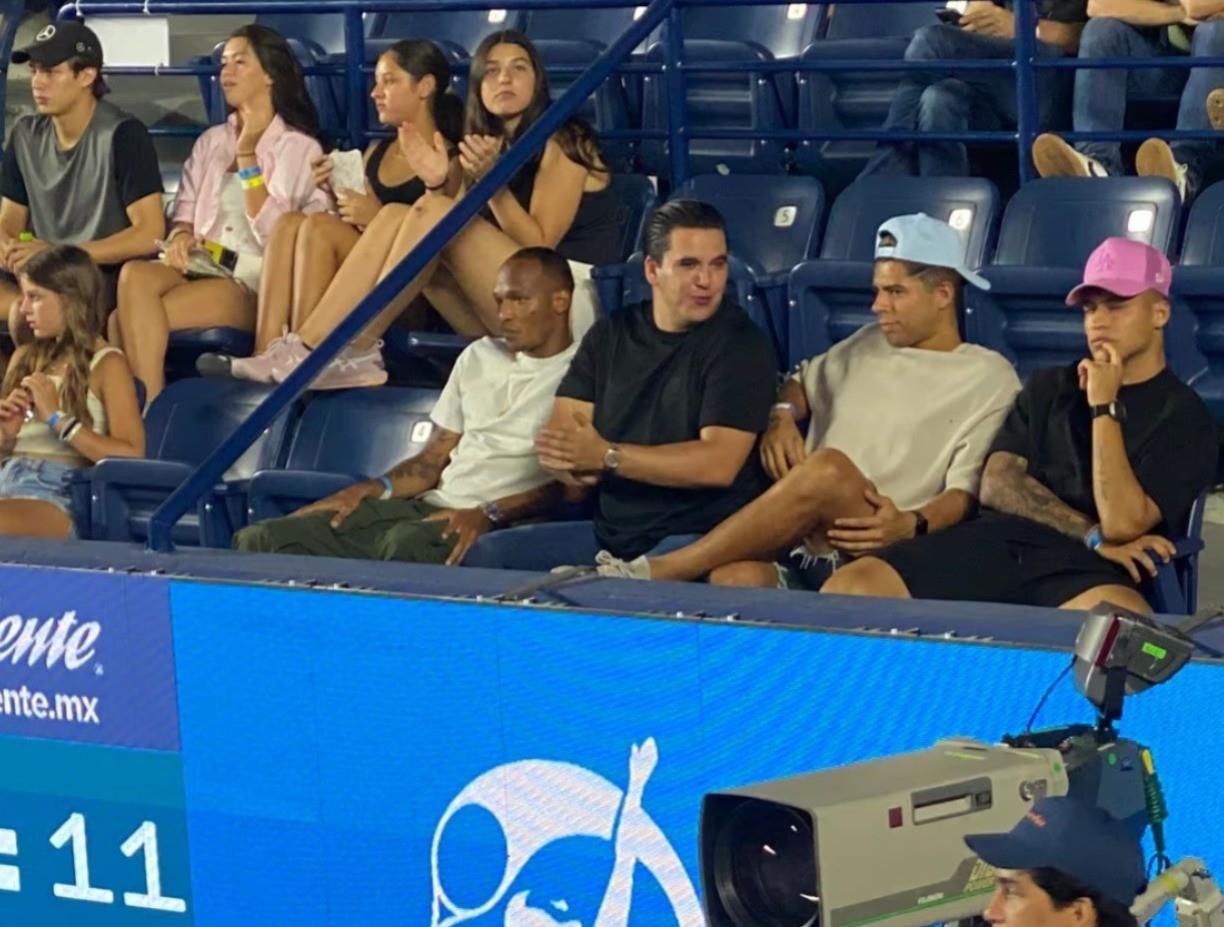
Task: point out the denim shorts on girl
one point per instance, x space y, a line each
36 478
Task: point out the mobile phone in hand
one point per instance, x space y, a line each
949 16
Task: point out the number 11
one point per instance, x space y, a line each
143 838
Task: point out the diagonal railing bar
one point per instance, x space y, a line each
214 466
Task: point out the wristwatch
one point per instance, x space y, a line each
494 513
920 524
612 458
1115 410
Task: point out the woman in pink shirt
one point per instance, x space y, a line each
242 176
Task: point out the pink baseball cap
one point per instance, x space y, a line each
1124 267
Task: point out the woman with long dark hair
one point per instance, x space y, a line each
411 94
70 399
242 176
560 199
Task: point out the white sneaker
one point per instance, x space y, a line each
1155 159
607 565
1053 157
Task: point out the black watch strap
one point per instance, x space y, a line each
1114 410
920 524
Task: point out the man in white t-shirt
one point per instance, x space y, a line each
479 468
901 416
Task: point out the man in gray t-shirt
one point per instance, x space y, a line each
80 171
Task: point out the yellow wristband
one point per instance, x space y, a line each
253 183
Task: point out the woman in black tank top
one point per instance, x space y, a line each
411 94
558 201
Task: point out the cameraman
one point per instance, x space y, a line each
1065 864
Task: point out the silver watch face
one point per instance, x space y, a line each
612 458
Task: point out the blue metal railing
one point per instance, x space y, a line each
678 134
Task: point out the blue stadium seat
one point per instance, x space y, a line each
1197 290
831 298
342 437
852 99
738 34
773 223
1049 228
184 424
1174 588
457 32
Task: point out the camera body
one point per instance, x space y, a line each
879 843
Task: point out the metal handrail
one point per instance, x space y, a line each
204 477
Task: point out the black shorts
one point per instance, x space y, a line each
1001 558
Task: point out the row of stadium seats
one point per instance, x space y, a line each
803 272
317 447
571 38
313 449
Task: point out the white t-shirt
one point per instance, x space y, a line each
497 400
916 422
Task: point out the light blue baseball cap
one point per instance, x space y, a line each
925 240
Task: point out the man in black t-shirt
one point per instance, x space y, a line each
78 172
1096 467
957 101
660 410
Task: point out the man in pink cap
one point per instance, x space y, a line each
1094 470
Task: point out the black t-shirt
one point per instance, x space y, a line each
653 387
1169 435
135 163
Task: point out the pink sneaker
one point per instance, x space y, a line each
259 369
352 368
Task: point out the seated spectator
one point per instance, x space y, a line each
242 176
1066 862
411 94
660 411
1140 29
80 171
479 468
70 399
1097 465
952 101
900 416
560 199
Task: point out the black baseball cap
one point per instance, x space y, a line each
59 41
1077 839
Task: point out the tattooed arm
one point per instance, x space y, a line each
1007 488
421 473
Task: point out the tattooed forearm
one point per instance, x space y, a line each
1007 488
421 473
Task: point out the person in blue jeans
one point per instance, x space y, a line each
660 412
952 101
1140 29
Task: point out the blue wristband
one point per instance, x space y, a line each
388 487
248 173
54 420
1094 538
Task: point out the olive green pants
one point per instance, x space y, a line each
391 529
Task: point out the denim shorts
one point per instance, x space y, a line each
36 478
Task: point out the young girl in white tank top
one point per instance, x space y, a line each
69 398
